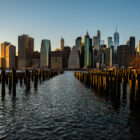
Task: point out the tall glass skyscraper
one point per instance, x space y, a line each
116 40
45 52
109 42
88 51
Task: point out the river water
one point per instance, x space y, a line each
63 108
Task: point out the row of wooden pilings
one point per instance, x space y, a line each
12 78
111 81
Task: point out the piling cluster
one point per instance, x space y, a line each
112 81
12 78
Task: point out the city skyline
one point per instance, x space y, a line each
53 20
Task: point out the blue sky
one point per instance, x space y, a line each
51 19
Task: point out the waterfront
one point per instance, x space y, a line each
63 108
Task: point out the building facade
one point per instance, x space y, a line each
138 49
25 51
88 53
58 60
109 42
109 56
132 46
95 42
62 44
8 55
116 40
67 51
45 53
123 55
74 60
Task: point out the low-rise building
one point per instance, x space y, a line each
58 60
74 60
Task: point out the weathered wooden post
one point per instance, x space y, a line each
6 78
27 80
35 80
137 93
10 81
14 82
3 83
0 78
132 89
21 77
118 85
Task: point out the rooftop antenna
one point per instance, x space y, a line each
87 32
116 28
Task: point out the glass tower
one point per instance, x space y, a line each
87 51
116 40
109 42
45 53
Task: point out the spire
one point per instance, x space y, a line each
116 28
87 35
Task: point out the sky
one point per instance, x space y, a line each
53 19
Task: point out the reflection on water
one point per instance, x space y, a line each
63 108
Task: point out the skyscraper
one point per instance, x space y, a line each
78 43
88 53
95 42
99 37
3 49
45 53
116 40
25 51
132 42
8 54
74 60
109 42
62 44
132 46
139 47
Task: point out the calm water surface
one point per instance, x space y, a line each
63 108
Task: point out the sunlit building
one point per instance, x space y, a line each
3 49
138 47
25 51
45 53
8 54
109 42
74 60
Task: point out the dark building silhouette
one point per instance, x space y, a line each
132 46
36 55
67 51
58 60
78 42
123 55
